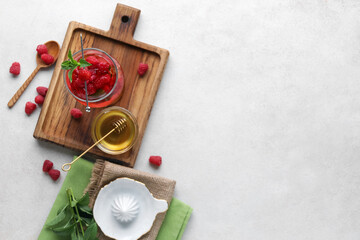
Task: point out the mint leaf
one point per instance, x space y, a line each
63 209
84 200
87 221
63 231
72 219
73 235
84 63
71 57
85 209
91 232
73 203
72 64
70 74
66 65
55 221
64 223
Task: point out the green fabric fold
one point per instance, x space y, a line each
175 221
78 178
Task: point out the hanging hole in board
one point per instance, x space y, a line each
125 19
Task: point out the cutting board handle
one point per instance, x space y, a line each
124 22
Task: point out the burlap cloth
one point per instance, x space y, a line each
104 172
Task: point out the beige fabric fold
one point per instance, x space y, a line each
104 172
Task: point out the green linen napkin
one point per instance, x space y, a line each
78 178
176 219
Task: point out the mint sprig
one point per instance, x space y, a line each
75 219
72 64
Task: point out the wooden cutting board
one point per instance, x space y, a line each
55 123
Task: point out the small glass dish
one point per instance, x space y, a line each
102 97
116 143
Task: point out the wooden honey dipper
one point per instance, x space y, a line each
119 125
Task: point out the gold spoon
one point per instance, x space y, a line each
54 50
119 125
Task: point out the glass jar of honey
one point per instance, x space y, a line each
118 141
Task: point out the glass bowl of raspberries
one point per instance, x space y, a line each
104 78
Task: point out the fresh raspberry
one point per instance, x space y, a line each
91 89
47 58
106 88
42 91
29 107
156 160
75 73
39 99
73 76
41 49
97 83
73 85
105 79
93 78
84 75
92 60
47 165
78 84
143 67
54 174
102 81
15 68
103 67
93 71
80 92
76 113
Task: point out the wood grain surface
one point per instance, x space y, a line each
55 123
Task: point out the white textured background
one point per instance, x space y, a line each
257 117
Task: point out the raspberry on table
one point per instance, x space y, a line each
76 113
39 99
15 68
29 108
42 90
47 58
41 49
143 67
54 174
156 160
47 165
